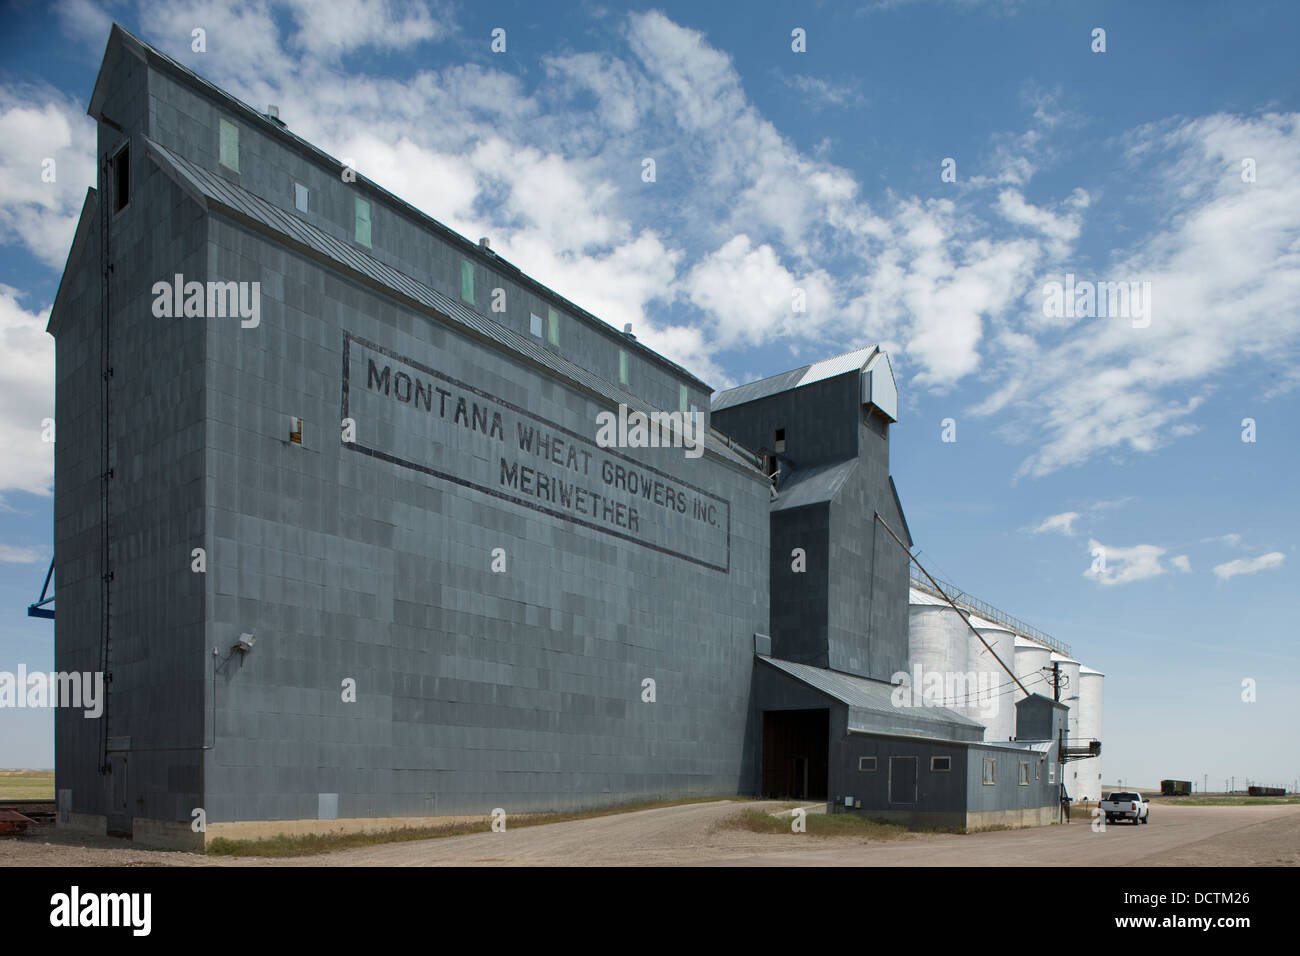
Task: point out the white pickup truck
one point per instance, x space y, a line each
1126 805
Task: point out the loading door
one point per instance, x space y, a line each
119 822
795 749
902 780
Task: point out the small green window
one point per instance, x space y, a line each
230 145
681 398
362 221
467 281
552 326
622 367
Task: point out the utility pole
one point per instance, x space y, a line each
1055 680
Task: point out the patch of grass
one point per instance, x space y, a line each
819 824
26 784
313 844
1226 801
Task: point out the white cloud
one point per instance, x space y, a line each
1232 540
38 124
1224 277
739 215
1264 562
1064 523
818 93
751 294
1112 565
26 397
1182 563
14 554
84 22
333 27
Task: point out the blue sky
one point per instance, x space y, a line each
820 170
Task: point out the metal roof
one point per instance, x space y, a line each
1035 746
210 189
121 39
797 378
814 485
870 703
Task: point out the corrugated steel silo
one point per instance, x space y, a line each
1084 776
1031 658
995 708
937 643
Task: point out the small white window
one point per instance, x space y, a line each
467 281
535 324
229 143
990 772
682 398
300 197
622 367
1024 773
940 764
361 221
867 764
552 326
1051 773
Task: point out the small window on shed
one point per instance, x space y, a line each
300 197
622 367
682 398
467 281
1051 772
121 168
940 764
552 326
1024 773
778 440
361 226
867 764
535 324
230 145
990 772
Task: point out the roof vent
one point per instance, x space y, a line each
273 114
484 245
627 330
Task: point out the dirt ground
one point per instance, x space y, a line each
692 835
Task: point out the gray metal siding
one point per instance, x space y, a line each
157 663
187 121
936 791
475 689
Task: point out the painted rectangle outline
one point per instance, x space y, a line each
349 338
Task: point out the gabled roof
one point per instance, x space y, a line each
85 226
853 361
122 41
212 191
813 485
871 707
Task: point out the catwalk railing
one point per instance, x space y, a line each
986 610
